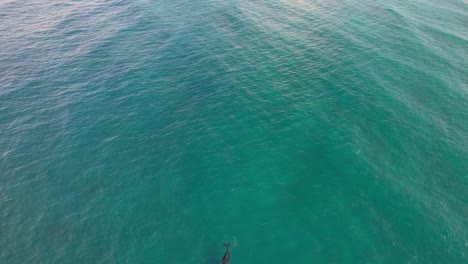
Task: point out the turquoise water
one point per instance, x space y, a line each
152 131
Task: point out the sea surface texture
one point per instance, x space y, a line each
301 131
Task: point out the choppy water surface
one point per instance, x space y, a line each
309 131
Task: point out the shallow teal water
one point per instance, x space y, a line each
327 131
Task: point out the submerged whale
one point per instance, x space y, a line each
227 254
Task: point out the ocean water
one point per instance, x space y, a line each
301 131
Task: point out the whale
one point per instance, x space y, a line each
227 254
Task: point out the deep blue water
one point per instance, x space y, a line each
301 131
